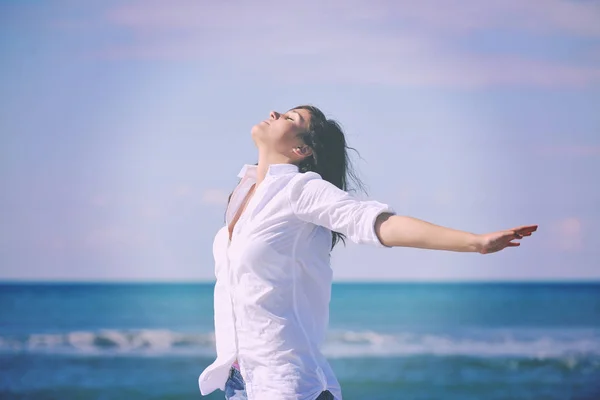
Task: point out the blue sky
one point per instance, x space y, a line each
123 126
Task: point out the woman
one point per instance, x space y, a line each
272 258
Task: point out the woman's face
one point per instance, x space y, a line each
279 133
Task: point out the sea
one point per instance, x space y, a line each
386 340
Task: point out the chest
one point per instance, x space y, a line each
256 209
258 220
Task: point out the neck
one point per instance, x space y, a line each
264 160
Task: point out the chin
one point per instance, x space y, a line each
257 132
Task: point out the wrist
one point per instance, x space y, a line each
476 243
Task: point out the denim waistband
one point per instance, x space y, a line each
235 372
236 375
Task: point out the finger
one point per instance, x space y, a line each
507 237
526 228
513 244
524 231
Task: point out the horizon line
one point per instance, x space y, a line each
345 281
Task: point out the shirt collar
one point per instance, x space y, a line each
274 169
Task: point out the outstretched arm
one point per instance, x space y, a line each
397 230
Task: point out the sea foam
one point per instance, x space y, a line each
339 343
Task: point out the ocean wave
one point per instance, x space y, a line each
113 342
339 343
493 344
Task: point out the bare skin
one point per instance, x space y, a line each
277 141
239 212
402 231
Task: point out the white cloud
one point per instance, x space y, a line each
150 212
567 234
215 197
52 242
444 197
183 191
451 16
100 200
110 237
571 151
537 16
388 42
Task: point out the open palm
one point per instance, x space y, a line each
496 241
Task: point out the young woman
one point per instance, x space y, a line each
273 287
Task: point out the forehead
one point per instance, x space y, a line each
305 114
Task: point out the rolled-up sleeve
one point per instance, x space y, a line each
318 201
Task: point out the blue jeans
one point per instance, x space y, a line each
235 388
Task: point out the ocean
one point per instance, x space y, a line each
386 340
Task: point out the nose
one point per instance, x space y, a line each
274 115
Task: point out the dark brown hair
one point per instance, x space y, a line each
329 156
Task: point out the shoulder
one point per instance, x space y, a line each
306 176
310 188
305 180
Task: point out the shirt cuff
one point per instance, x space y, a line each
371 217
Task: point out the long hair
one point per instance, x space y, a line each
329 156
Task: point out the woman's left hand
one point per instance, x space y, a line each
496 241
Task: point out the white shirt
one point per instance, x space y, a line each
271 297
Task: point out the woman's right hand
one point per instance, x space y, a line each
496 241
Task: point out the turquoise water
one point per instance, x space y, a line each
386 341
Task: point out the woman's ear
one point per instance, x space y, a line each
302 151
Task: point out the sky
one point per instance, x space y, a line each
123 126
